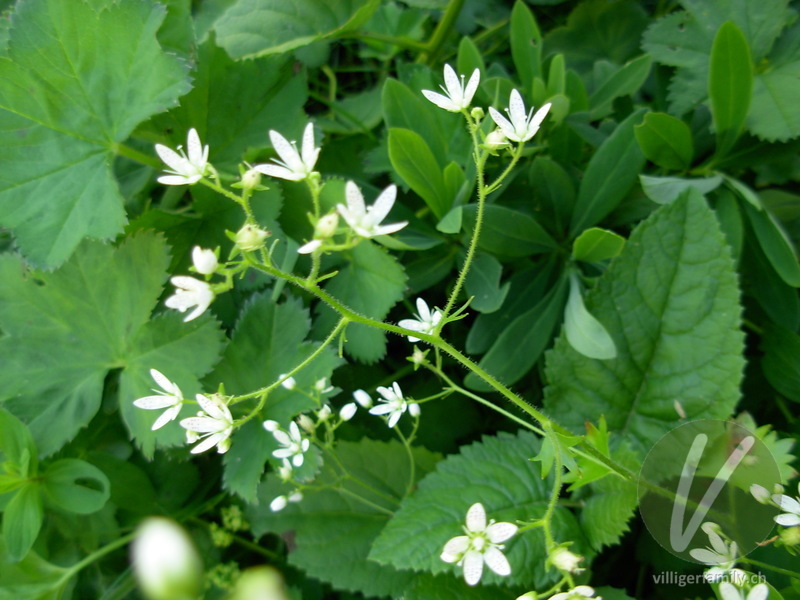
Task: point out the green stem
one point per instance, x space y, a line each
442 29
378 507
135 155
758 563
94 556
401 42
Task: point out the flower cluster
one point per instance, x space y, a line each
481 545
392 403
183 169
294 445
722 554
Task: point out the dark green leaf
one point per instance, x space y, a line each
507 232
775 243
624 82
597 244
32 578
730 84
666 141
675 338
414 162
483 284
75 485
611 173
526 44
781 363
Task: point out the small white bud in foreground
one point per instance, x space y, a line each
348 411
278 504
271 425
204 260
165 562
289 383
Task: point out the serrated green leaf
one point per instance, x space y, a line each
624 82
597 244
254 96
32 578
75 485
610 175
22 520
730 84
496 472
269 340
663 190
65 330
583 331
666 141
252 28
371 283
520 344
75 83
328 521
670 303
415 163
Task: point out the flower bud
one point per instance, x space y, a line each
324 413
326 226
204 261
251 179
477 113
260 583
306 423
790 536
285 471
296 497
760 493
496 140
418 357
250 238
165 562
564 560
363 398
413 409
278 504
271 425
348 411
528 596
289 383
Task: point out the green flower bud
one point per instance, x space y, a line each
251 179
250 238
477 113
326 226
260 583
790 536
165 562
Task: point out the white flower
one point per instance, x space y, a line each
295 497
363 398
170 398
414 409
482 544
204 261
165 561
392 404
215 423
278 503
457 95
721 554
292 165
285 471
576 593
792 507
185 170
522 126
366 221
728 591
425 322
190 292
348 411
294 444
289 383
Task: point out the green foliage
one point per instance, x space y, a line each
347 522
495 471
252 28
67 329
666 141
417 166
674 340
62 116
597 244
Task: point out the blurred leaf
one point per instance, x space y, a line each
624 82
253 28
22 520
663 190
597 244
32 578
730 84
611 173
781 362
75 84
76 486
666 141
674 338
17 445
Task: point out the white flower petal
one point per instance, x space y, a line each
729 592
497 561
310 152
212 408
441 101
282 437
504 124
309 247
584 590
454 548
287 152
363 398
759 592
382 205
388 229
165 417
500 532
472 86
789 504
473 567
203 425
194 149
154 402
705 556
164 383
208 443
788 520
476 518
394 418
355 201
516 110
452 83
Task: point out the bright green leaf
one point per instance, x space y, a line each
666 141
415 163
66 329
483 284
252 28
582 329
22 520
526 44
674 338
75 485
597 244
663 190
611 173
17 445
329 521
496 472
624 82
451 222
76 82
404 108
730 84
